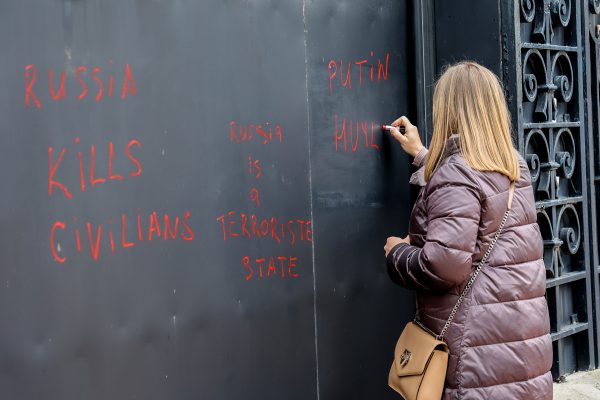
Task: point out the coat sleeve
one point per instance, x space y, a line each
453 207
420 158
418 177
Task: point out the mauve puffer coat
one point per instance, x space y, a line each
500 347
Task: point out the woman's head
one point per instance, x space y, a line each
469 100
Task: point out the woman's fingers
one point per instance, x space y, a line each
410 140
397 135
402 121
391 242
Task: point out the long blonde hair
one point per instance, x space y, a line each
468 99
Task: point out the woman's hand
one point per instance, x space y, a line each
410 140
393 241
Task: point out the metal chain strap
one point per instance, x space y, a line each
473 276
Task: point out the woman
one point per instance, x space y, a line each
499 341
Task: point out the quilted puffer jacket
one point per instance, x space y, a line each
499 341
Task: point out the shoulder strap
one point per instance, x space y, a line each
480 265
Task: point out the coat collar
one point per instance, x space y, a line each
452 145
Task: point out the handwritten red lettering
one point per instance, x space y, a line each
267 267
255 230
168 230
221 219
128 83
360 64
239 133
374 127
342 136
138 171
111 81
291 232
271 268
54 167
332 66
57 225
259 262
96 232
112 242
94 247
154 227
336 70
52 171
111 153
29 82
246 263
81 69
124 243
190 233
61 87
78 240
280 231
293 264
87 82
274 226
93 180
381 72
81 173
254 196
351 131
230 214
139 227
254 167
95 77
348 81
245 231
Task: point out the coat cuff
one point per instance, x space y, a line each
420 157
418 177
390 256
399 262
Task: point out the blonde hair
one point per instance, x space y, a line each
468 99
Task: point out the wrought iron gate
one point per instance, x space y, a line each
591 33
556 138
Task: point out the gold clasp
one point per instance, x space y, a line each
405 357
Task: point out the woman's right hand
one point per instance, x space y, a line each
410 140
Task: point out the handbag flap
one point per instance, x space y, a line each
414 349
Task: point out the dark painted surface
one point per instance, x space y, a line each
175 318
360 197
468 30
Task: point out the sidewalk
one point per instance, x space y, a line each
579 386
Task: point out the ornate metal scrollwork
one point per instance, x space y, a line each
553 128
546 15
542 30
569 234
537 155
558 42
528 10
534 79
564 153
562 73
562 9
551 244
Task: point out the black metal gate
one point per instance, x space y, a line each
553 137
591 32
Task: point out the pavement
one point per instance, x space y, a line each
579 386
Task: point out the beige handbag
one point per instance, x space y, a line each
421 357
